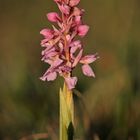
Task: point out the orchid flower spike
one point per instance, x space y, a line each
60 44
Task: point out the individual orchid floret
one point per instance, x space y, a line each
62 52
82 30
47 33
53 17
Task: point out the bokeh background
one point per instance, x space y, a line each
107 107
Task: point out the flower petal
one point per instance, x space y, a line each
44 41
71 82
75 45
56 62
77 20
49 76
77 11
53 17
64 9
48 60
47 33
87 70
73 3
47 51
89 59
77 59
82 30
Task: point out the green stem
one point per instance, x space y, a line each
66 114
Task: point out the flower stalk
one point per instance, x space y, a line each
66 114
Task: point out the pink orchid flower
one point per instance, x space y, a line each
61 50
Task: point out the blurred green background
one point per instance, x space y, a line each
109 108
